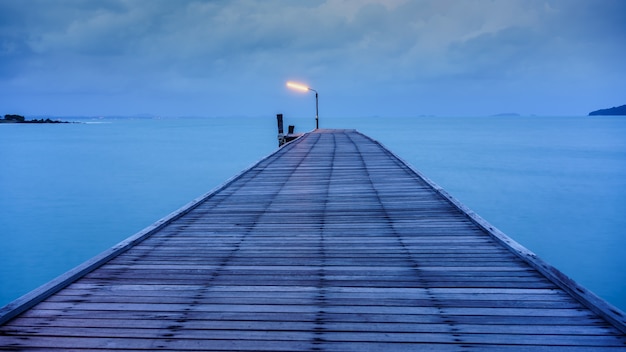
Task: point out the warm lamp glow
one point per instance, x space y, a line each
304 88
298 86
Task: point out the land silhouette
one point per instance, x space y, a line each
616 110
12 118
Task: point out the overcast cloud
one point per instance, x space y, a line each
387 58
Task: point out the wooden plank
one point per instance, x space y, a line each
263 333
330 243
337 326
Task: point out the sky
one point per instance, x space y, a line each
365 57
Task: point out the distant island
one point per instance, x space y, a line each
619 110
10 118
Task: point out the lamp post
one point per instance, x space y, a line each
302 87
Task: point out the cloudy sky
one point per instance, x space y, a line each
365 57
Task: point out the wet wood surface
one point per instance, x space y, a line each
330 244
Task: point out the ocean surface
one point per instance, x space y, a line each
557 185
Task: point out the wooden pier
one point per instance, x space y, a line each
332 243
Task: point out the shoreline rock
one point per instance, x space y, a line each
11 118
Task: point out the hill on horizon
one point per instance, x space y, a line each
619 110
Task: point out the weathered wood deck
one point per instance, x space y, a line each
330 244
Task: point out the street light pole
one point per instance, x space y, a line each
317 118
304 88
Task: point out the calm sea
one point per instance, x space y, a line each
557 185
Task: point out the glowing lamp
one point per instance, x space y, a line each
304 88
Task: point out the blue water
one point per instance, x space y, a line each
557 185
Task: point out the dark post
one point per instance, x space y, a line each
317 119
279 117
290 129
281 137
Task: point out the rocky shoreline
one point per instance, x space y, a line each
21 119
